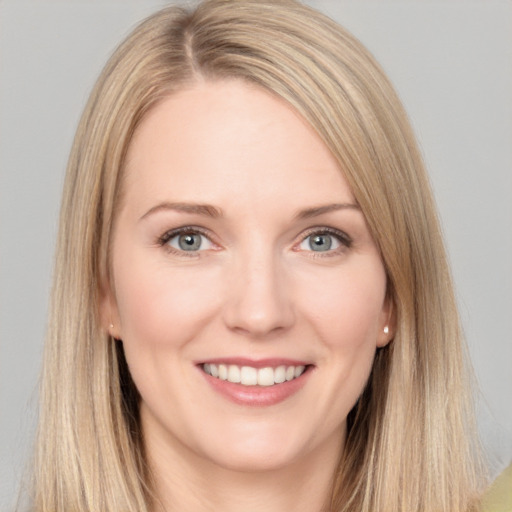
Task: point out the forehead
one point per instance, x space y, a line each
229 141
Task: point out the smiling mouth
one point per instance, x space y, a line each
250 376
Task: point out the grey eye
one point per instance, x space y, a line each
320 242
189 242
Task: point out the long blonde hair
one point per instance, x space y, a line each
410 440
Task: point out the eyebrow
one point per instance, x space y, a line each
213 212
192 208
320 210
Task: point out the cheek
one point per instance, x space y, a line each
161 309
348 308
162 305
346 313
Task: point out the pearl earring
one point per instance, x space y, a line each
386 330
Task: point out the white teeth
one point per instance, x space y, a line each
266 377
280 374
234 373
249 376
223 372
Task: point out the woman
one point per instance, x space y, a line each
252 306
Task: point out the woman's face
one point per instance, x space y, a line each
247 290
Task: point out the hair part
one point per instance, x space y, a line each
89 449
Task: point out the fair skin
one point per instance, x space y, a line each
239 244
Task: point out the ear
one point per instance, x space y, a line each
387 327
108 310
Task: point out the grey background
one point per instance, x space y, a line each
451 62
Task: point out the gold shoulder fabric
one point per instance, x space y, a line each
499 496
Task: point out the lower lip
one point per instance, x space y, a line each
257 396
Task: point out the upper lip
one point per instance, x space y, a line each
255 363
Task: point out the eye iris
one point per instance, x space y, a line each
189 242
320 242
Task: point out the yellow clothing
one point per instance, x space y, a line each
499 497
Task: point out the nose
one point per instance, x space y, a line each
260 299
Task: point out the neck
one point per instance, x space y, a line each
186 481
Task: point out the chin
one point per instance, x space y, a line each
245 458
263 448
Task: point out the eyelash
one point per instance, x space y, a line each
344 240
164 240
